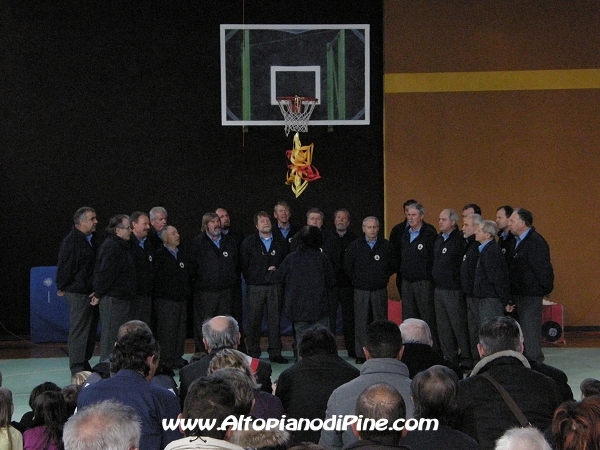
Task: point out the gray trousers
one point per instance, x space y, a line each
83 323
141 309
171 321
530 319
257 299
301 327
417 303
208 304
490 307
369 306
473 324
451 319
114 312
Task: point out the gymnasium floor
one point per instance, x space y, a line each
25 365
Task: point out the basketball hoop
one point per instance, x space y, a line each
296 112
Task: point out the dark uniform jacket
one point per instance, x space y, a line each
369 269
447 259
171 276
256 260
215 268
114 274
142 258
417 256
468 266
76 260
491 274
340 244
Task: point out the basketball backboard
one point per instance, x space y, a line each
262 62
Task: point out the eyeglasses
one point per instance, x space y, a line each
125 228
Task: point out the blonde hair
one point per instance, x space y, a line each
229 357
6 412
79 378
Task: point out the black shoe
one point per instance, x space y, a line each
360 360
278 359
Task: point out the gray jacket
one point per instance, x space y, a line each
343 399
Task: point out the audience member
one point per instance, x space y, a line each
218 333
527 438
107 425
589 387
379 402
70 394
576 425
135 359
265 405
208 398
80 377
482 412
10 437
305 387
418 352
434 393
27 419
49 417
383 351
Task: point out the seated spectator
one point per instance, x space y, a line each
49 417
70 394
27 419
434 393
522 439
589 387
418 348
377 402
383 351
560 378
80 377
207 398
482 412
108 425
305 387
576 425
264 405
10 437
135 359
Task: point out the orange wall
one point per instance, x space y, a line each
529 147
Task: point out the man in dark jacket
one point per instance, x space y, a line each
76 259
305 387
215 268
369 262
142 250
114 281
482 413
260 251
531 278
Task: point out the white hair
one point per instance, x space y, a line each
522 439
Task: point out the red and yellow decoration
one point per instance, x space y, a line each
301 171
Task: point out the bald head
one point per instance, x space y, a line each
221 332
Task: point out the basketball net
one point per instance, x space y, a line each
296 112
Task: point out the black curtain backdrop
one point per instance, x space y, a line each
116 105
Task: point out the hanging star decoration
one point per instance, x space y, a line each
301 171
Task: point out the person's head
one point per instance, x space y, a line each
314 217
50 410
262 222
70 394
79 378
137 350
383 340
414 215
220 332
131 326
85 220
519 221
485 231
576 425
223 217
107 425
242 384
170 236
209 398
341 220
6 407
46 386
140 224
434 393
120 226
498 334
370 227
158 217
317 340
406 204
282 213
311 238
470 224
380 401
529 438
447 220
211 224
470 208
589 387
502 215
230 357
416 331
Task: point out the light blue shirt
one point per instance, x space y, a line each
414 234
284 231
371 243
89 238
267 241
142 242
217 242
482 246
173 252
521 237
445 236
